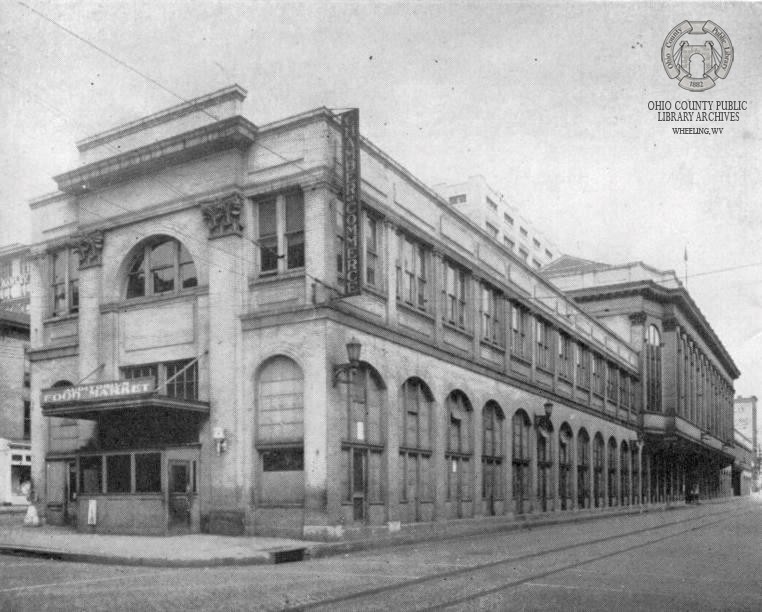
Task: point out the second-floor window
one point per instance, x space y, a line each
543 345
177 379
611 382
492 330
520 332
583 368
564 357
160 266
412 274
64 266
454 293
596 364
372 237
280 235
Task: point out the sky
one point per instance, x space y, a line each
548 101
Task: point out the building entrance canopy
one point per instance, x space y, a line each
96 400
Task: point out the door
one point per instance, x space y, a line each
180 495
70 505
359 484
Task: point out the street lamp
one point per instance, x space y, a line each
342 373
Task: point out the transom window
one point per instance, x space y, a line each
173 378
64 266
161 266
280 234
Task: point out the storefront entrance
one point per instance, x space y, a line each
180 496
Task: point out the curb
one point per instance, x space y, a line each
267 558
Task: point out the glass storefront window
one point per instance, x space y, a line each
118 473
91 474
148 473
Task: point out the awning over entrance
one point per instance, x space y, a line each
96 401
690 449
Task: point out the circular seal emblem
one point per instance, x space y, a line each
697 62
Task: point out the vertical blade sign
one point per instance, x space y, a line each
350 138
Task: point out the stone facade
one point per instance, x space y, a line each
219 280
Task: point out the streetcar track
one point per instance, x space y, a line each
399 586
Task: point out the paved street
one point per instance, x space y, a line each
703 558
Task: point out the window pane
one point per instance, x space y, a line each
268 254
283 460
74 296
294 212
118 474
295 250
163 280
90 474
188 275
267 218
148 473
59 267
73 265
162 255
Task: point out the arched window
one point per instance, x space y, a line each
459 453
492 454
653 369
565 466
362 444
280 431
625 473
583 469
598 446
544 466
415 466
161 265
521 458
612 472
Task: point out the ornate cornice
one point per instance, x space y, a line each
89 247
223 216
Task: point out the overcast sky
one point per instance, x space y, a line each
548 101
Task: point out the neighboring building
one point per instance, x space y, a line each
686 373
502 219
743 466
193 274
748 425
15 414
14 278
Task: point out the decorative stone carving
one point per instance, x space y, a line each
638 318
89 247
223 216
670 324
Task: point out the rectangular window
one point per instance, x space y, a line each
508 242
548 254
91 474
623 396
182 380
268 237
280 233
492 205
412 274
64 265
458 199
492 330
118 474
454 294
536 263
519 331
564 357
142 371
507 218
524 254
583 369
611 381
536 243
524 232
294 234
493 231
372 244
543 345
283 460
148 473
27 420
597 373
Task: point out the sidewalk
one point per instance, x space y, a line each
203 550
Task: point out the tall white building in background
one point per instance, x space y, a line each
488 208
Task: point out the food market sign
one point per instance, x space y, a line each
83 393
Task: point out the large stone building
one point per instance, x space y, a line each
277 329
504 219
686 373
14 278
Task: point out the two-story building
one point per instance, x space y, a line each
277 329
686 373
